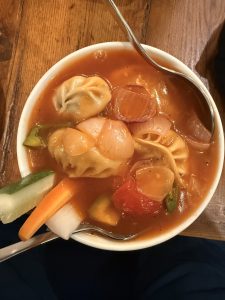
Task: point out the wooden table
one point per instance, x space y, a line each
35 34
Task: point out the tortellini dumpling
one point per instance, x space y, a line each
84 154
82 97
170 150
178 148
89 164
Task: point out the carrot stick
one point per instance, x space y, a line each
48 206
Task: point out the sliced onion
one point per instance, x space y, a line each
132 103
197 131
92 126
155 182
140 165
115 141
76 142
197 145
194 186
157 125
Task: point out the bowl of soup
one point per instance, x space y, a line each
132 137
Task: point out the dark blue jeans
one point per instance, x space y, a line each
182 268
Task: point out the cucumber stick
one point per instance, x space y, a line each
18 198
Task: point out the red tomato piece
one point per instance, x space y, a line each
129 200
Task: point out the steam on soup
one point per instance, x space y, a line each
132 138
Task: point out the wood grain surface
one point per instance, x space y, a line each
35 34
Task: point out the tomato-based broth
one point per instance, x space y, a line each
127 75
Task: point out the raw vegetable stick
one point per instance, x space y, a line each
18 198
52 202
65 220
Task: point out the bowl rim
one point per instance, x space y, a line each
97 241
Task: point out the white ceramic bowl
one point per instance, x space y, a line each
101 242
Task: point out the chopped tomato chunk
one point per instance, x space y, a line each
127 199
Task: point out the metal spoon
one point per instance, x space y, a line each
17 248
205 108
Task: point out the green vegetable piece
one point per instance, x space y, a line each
34 138
172 199
18 198
29 179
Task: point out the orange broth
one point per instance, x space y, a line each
120 67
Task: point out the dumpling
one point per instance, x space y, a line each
82 154
170 150
178 148
82 97
89 164
86 162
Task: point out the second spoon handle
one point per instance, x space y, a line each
14 249
17 248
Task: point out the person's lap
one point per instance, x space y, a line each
186 268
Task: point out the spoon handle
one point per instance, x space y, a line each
127 30
14 249
17 248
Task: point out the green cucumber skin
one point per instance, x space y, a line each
12 206
24 182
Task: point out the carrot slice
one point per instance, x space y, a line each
53 201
